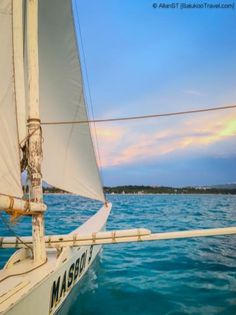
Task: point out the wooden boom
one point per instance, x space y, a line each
22 206
112 237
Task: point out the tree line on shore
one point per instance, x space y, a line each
141 189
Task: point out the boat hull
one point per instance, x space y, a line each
49 296
44 289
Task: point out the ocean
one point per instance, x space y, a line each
174 277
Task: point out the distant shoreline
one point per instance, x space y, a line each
158 190
147 194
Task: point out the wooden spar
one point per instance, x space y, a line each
11 204
35 140
114 237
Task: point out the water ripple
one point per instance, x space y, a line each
174 277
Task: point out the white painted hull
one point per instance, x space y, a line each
43 290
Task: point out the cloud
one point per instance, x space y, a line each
193 92
122 144
107 142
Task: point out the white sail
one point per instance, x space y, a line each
69 161
18 43
10 175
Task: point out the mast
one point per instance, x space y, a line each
34 131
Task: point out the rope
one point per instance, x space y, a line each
24 272
24 147
14 233
28 136
31 167
195 111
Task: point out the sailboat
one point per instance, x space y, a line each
40 80
40 72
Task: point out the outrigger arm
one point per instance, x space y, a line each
13 205
113 237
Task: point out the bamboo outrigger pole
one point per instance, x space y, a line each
114 237
12 204
35 140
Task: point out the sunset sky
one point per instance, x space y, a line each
142 60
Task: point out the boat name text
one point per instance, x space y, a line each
64 282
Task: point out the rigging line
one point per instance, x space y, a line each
7 224
195 111
24 272
90 100
28 136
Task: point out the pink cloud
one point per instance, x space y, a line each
134 142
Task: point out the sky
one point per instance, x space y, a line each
142 60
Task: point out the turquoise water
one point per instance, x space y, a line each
194 276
